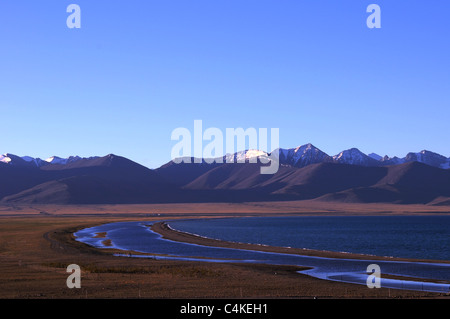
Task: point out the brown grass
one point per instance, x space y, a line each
36 248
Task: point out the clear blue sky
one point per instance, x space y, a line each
136 70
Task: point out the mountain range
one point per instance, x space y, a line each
305 172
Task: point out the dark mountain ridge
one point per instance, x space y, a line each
114 179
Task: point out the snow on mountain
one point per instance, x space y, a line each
309 154
5 159
354 156
298 157
303 155
245 156
29 161
427 157
12 159
62 161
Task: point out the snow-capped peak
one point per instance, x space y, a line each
254 153
11 159
349 154
36 162
62 161
355 157
15 160
244 156
303 155
5 158
429 158
303 149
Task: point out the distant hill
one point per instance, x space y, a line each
109 179
304 173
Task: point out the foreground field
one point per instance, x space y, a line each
36 246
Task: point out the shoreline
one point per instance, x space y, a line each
166 232
164 229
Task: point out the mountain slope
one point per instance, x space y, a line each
304 173
109 179
318 179
354 156
406 183
185 172
15 179
302 156
302 183
429 158
52 192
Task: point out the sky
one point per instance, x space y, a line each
137 70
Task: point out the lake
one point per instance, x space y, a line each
325 233
420 237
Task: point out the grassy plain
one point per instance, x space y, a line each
36 246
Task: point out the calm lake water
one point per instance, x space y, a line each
421 237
